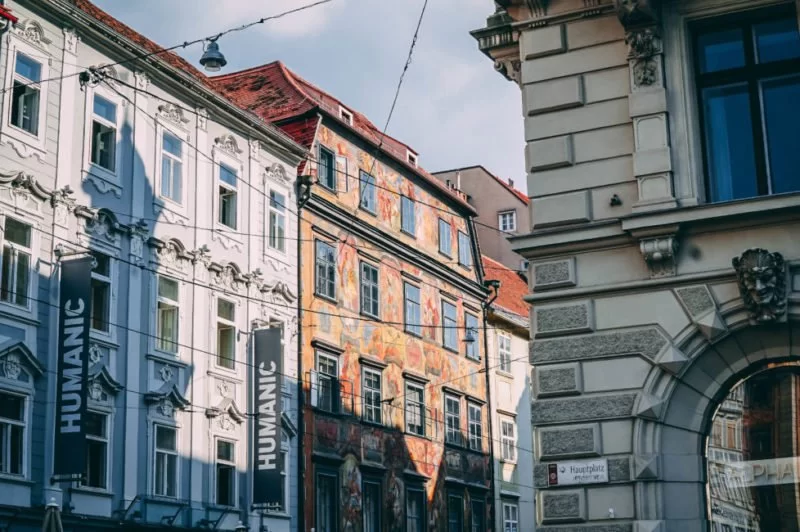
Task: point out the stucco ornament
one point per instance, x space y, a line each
12 367
762 284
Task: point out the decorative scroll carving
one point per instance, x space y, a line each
142 80
138 233
510 68
202 118
277 173
645 72
166 373
255 148
227 276
70 40
171 255
227 143
172 113
63 203
659 253
278 289
637 12
761 277
12 367
23 184
32 31
643 42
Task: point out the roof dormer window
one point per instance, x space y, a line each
412 159
346 116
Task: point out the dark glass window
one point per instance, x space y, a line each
408 215
327 168
372 506
464 251
412 309
455 513
369 198
370 290
327 502
415 510
449 326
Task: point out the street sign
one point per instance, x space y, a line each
577 472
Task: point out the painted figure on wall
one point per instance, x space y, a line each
351 495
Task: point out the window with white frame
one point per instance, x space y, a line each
26 94
12 433
507 221
371 394
171 167
413 315
510 517
508 439
408 215
452 419
101 292
277 221
415 409
370 290
445 238
326 270
96 426
504 352
104 133
285 448
15 275
168 315
464 250
327 168
327 382
473 348
165 461
369 197
225 473
475 427
226 333
227 196
449 326
412 159
346 116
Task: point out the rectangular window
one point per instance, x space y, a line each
510 517
12 433
372 395
96 426
327 168
464 251
168 315
508 440
171 167
477 517
226 473
372 506
748 84
415 510
408 215
369 200
449 326
413 316
15 276
166 462
226 333
101 292
507 221
504 351
475 427
445 238
455 513
104 133
415 409
25 98
277 221
328 382
452 419
472 333
227 196
326 270
370 294
327 503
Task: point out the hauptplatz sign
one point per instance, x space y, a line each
577 472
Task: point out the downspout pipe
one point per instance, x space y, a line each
487 307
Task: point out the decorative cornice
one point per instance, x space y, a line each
228 144
103 376
22 182
21 350
32 31
172 113
226 406
660 254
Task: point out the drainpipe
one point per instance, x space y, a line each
487 307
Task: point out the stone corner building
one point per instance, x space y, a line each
663 256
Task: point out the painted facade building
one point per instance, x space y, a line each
180 197
663 256
395 418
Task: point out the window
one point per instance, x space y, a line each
412 309
504 350
370 300
226 333
464 251
455 513
369 201
372 395
328 377
445 238
449 326
327 168
508 440
226 473
104 133
507 221
478 508
408 215
171 167
327 503
166 462
326 270
12 433
415 510
412 159
452 419
510 517
372 506
415 409
346 116
475 427
748 82
277 221
96 426
471 326
15 276
101 292
227 196
26 94
168 317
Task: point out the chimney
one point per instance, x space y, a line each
458 180
510 182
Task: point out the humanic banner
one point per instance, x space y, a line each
268 375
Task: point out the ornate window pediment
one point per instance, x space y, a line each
277 172
173 113
228 144
226 413
23 191
33 32
171 254
18 363
101 224
227 275
279 289
166 400
102 385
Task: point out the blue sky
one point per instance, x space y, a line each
453 108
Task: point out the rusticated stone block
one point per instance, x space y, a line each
582 409
562 506
564 319
562 379
562 209
570 442
619 469
647 342
696 300
554 274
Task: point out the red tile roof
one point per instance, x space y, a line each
512 287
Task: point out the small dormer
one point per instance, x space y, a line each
346 116
412 158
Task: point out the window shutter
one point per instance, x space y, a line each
341 171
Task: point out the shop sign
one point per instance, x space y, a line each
577 472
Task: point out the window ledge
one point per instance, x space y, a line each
20 313
98 492
15 479
277 515
168 358
217 371
506 374
163 499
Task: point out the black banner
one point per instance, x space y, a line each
73 367
267 478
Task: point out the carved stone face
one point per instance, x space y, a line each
762 283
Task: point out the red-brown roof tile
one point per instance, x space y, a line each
512 287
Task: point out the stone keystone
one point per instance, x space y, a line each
650 407
672 359
648 526
645 467
711 325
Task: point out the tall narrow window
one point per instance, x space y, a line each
226 473
101 292
327 503
327 168
227 196
445 238
504 352
508 439
370 293
449 326
96 426
372 395
25 98
475 427
168 315
408 215
372 506
277 221
104 133
472 333
452 419
464 250
415 409
415 510
413 316
171 167
477 517
226 333
326 270
369 200
166 462
15 276
455 513
327 382
12 433
507 221
510 517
